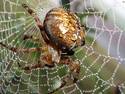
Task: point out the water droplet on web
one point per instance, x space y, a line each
9 17
24 28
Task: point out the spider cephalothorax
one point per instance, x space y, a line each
62 32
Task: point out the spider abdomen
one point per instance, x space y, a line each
63 29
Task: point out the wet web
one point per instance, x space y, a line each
101 59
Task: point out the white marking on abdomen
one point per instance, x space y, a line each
63 28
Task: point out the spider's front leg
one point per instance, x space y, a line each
74 66
31 37
33 14
24 50
37 20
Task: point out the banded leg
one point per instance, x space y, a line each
37 20
25 50
74 72
31 37
35 39
74 66
44 60
33 14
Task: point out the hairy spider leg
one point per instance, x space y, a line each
72 76
37 20
25 37
46 59
74 66
25 50
33 14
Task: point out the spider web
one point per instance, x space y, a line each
102 59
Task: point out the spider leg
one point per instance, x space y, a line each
35 39
37 20
33 14
25 50
26 37
44 60
66 80
34 66
85 27
49 56
74 72
74 66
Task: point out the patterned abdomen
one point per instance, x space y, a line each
63 29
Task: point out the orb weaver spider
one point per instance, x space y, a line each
62 32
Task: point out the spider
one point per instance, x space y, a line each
62 32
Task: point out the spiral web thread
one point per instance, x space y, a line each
102 69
